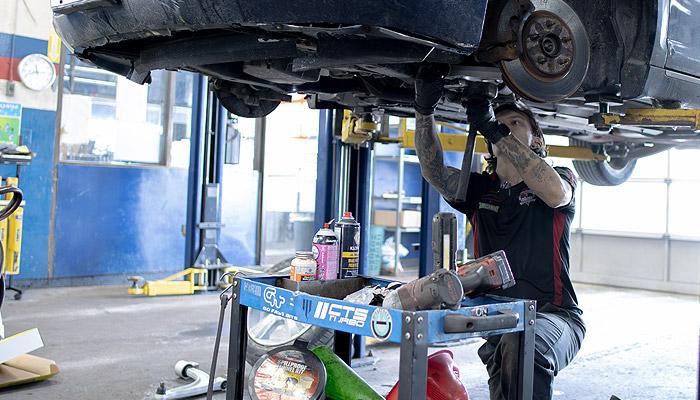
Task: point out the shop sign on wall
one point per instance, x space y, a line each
10 122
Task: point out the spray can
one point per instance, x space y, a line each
348 232
325 249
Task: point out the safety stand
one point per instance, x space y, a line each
415 331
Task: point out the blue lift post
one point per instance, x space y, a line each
344 183
196 171
207 154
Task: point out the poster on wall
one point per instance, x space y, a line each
10 122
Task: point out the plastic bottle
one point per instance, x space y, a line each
325 249
341 381
348 232
303 267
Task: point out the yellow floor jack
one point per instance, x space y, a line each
187 281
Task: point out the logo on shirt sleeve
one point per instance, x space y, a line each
526 197
487 206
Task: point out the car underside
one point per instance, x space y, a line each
568 60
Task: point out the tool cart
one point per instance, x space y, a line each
320 303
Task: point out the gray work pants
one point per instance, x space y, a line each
558 337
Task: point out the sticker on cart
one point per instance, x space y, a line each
251 288
381 324
355 317
278 302
273 299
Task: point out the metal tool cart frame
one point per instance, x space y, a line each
316 303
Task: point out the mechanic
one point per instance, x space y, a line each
524 206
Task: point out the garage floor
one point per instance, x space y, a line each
113 346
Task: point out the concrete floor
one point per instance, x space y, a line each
640 345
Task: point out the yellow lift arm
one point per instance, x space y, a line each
454 142
652 117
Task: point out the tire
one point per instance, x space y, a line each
603 173
314 336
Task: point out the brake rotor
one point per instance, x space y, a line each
555 53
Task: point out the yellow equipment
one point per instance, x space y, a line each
3 237
650 117
187 281
357 130
13 246
194 280
454 142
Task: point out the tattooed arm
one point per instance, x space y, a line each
539 176
432 165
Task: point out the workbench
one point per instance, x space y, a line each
320 303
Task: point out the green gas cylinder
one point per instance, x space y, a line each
342 383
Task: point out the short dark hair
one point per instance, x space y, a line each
521 108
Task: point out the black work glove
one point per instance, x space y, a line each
480 113
429 84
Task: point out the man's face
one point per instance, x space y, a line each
519 126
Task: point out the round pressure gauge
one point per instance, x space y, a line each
36 71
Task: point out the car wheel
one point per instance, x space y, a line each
603 173
245 101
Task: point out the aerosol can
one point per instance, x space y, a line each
348 232
325 249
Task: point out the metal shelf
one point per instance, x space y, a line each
407 158
404 230
405 199
19 159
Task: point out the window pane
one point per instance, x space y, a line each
109 119
684 213
638 207
291 144
685 164
181 120
651 167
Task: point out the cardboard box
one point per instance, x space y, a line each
409 218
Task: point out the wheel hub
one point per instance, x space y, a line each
548 46
554 54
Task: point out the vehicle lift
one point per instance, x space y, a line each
204 261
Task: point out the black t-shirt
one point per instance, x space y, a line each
534 236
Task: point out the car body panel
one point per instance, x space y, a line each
456 23
683 37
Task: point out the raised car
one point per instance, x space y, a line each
569 59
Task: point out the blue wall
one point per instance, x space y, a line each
38 132
114 220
